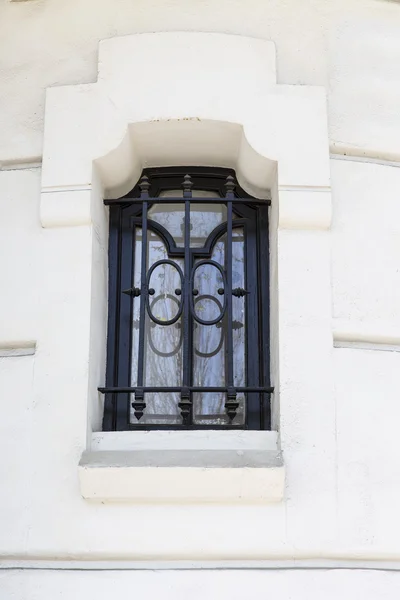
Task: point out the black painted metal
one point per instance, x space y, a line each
114 282
231 403
129 213
185 403
124 390
239 292
195 292
151 293
194 200
263 276
139 403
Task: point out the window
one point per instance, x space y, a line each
188 328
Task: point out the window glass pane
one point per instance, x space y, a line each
161 409
207 281
209 360
163 343
239 309
203 217
209 409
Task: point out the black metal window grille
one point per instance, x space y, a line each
188 326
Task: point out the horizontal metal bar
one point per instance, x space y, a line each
132 390
195 426
166 200
171 417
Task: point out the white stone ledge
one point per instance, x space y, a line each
340 151
183 476
24 163
369 336
185 440
17 348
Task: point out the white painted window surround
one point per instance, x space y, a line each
183 466
98 137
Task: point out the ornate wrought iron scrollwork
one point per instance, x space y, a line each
139 404
180 304
239 292
242 381
185 405
217 325
231 404
153 326
195 292
134 292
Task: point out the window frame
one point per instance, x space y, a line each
119 337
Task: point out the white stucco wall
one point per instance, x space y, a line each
350 46
342 462
224 585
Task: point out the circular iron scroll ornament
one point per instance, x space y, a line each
150 335
192 303
222 336
164 261
173 352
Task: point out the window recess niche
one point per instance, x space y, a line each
98 139
188 324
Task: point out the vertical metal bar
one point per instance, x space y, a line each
253 335
122 402
263 311
114 291
231 404
229 295
139 404
185 403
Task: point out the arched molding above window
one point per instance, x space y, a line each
174 99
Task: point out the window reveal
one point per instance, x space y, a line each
188 305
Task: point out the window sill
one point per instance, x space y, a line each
183 467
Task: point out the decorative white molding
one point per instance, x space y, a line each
183 466
364 560
13 165
366 336
340 151
13 348
373 346
118 127
184 476
160 100
66 188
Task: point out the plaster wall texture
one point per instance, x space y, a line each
43 514
342 457
350 46
284 585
